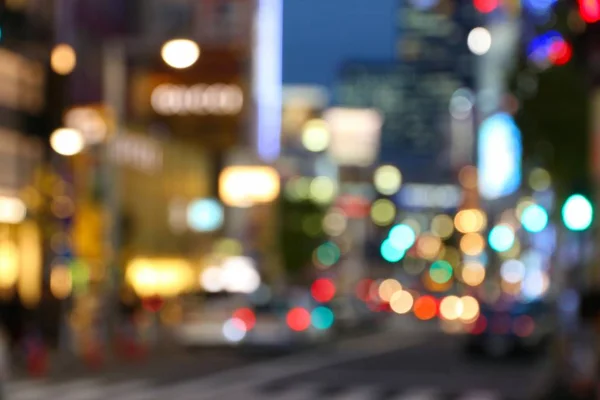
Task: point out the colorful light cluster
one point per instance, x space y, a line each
551 48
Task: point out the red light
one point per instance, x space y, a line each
363 289
485 6
425 308
298 319
322 290
589 10
524 326
247 316
153 304
479 326
560 52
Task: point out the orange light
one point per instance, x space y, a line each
298 319
472 244
425 308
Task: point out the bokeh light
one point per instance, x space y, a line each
470 309
468 221
322 190
328 254
63 59
539 179
428 246
467 176
391 253
335 222
485 6
402 236
451 308
577 213
534 218
383 212
316 135
512 271
298 319
323 290
180 53
473 273
247 316
322 318
501 238
425 308
387 288
387 180
67 141
440 272
442 225
479 41
401 302
472 244
234 330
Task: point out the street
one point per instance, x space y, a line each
389 365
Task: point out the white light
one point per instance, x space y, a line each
315 136
12 210
239 275
479 41
89 122
216 99
512 271
180 53
234 330
211 279
267 77
67 141
205 215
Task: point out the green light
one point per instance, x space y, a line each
534 218
322 318
440 271
501 238
391 253
577 213
328 253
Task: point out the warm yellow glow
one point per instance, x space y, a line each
12 210
452 255
468 177
468 221
315 135
160 276
383 212
335 222
473 274
245 186
428 246
387 288
442 226
451 308
61 282
387 179
9 264
67 141
180 53
63 59
470 309
401 302
472 244
539 179
322 190
30 257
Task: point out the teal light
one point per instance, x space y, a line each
328 253
440 271
322 318
402 236
391 253
577 213
534 218
501 238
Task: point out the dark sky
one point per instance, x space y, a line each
318 35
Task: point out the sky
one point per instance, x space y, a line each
319 35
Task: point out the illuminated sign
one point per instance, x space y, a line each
267 78
417 195
499 157
246 186
215 99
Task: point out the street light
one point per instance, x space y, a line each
180 53
67 141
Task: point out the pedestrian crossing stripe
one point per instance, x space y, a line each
197 390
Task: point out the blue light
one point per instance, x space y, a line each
322 318
538 50
577 213
534 218
391 253
539 7
402 236
499 152
205 215
501 238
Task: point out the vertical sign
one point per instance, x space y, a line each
267 78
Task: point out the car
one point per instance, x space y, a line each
508 326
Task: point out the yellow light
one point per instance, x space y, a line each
470 309
315 135
335 222
61 282
67 141
472 244
63 59
451 308
468 221
383 212
322 190
539 179
473 274
248 185
428 246
12 210
159 276
442 226
387 288
387 180
180 53
452 255
9 264
401 302
30 256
